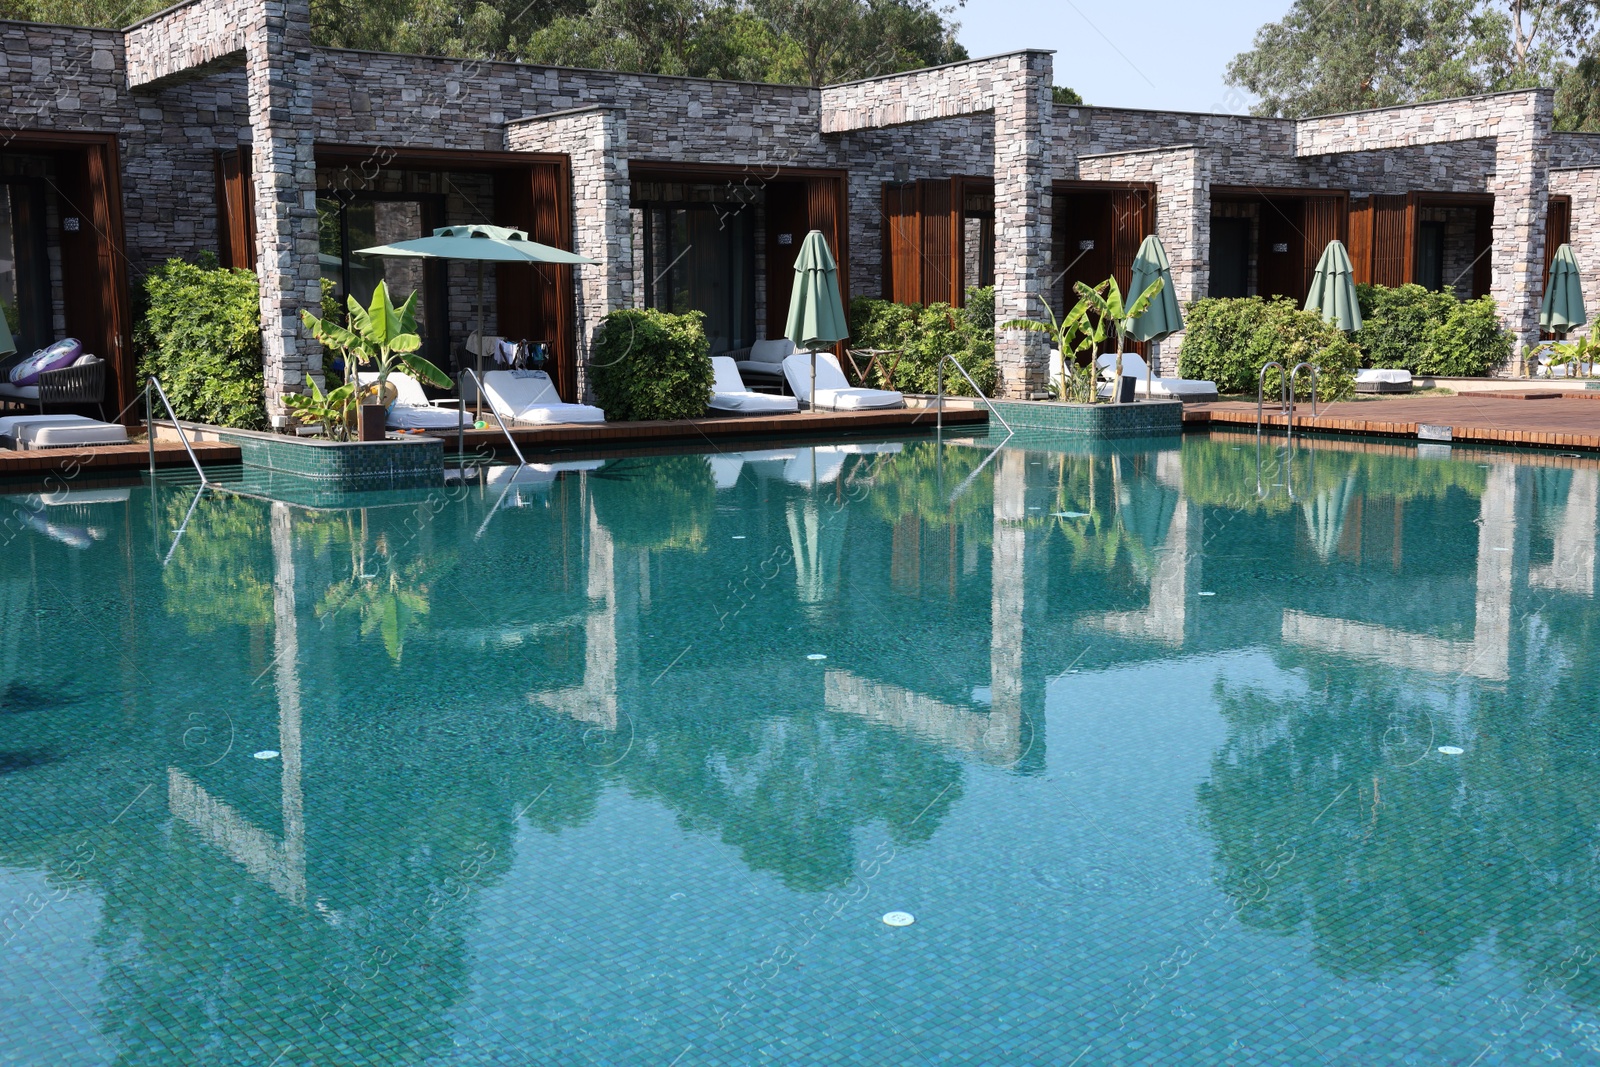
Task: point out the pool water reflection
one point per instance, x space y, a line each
1148 739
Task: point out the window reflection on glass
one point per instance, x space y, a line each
701 257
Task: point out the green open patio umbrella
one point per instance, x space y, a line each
1562 310
816 310
484 244
1333 289
1162 318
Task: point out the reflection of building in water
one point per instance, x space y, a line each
280 864
816 539
1571 566
595 700
993 736
1007 574
1502 553
1177 560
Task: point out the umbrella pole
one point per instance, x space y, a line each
1150 367
813 393
478 392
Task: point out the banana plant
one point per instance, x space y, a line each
330 410
381 335
1071 334
1573 354
1114 312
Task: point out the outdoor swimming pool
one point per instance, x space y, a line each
1168 768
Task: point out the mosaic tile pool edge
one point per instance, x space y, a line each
409 463
1152 418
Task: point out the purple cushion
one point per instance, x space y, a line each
61 354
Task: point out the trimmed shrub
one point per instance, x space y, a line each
1427 332
200 334
925 334
649 364
1227 340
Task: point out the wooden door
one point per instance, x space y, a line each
1482 250
1132 219
938 218
901 275
1085 219
827 210
788 221
1360 226
94 284
236 214
1281 252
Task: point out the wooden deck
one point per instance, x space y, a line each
1522 417
711 431
108 459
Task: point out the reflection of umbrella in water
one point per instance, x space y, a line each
1145 508
1325 514
482 244
816 537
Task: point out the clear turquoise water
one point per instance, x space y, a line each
1153 758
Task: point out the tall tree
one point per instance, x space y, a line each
1343 55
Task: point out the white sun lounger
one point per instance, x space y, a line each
728 393
1381 380
1189 390
412 410
531 397
815 466
59 431
834 392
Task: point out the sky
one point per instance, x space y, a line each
1166 54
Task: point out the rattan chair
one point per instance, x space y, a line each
81 383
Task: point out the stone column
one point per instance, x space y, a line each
281 82
595 139
1521 187
1022 112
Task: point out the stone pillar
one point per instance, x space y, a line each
281 82
1022 219
595 139
1521 187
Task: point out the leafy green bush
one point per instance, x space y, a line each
200 334
649 364
1427 332
1227 340
925 334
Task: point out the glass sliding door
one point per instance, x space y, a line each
26 288
353 221
701 257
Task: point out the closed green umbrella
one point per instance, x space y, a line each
1162 318
1333 289
485 244
1562 310
816 309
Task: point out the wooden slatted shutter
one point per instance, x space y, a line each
1361 239
938 244
827 209
1394 239
1323 221
902 274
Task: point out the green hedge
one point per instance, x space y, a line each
649 364
1426 332
200 334
1227 340
925 334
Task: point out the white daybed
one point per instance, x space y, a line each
1383 380
834 392
1188 390
728 393
529 396
59 431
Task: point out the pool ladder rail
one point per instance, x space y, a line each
150 429
1286 399
993 411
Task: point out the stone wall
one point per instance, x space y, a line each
964 88
186 36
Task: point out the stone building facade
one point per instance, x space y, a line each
163 101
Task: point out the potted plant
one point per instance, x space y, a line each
385 337
1073 333
1070 335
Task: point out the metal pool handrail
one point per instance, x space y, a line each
1261 389
979 392
150 430
509 439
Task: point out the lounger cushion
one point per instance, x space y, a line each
729 394
18 392
65 431
772 352
1379 374
834 392
531 397
428 418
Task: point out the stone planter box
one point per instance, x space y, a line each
397 463
1143 418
